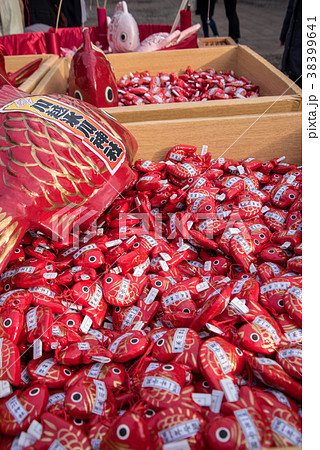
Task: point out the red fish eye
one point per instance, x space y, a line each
116 370
160 342
92 259
208 208
136 245
262 236
158 283
78 422
150 413
70 323
76 397
280 303
34 392
117 207
17 250
264 164
244 277
297 173
230 205
118 309
205 384
7 323
78 95
85 289
254 337
163 202
186 310
67 372
223 434
7 287
271 251
216 262
293 217
292 196
239 351
168 367
134 340
190 180
123 432
109 280
256 241
109 94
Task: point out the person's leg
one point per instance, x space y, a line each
231 13
213 27
204 25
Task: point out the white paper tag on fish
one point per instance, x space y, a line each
123 290
239 305
202 286
55 398
35 429
249 429
37 348
163 384
86 324
101 397
287 431
216 400
16 409
179 340
183 430
201 399
31 319
5 388
152 294
178 445
44 367
26 439
229 389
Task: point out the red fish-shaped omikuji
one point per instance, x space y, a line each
21 408
91 76
62 162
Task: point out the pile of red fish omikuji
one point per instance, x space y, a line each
192 86
175 319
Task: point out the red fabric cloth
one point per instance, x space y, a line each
35 43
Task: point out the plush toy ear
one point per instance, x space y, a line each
121 7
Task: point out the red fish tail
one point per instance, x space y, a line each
11 232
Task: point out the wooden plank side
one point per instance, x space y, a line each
271 80
32 81
221 40
215 108
56 80
264 137
177 61
15 62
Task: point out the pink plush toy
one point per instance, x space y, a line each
123 34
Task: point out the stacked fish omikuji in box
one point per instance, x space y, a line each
176 318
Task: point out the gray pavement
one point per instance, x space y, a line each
260 20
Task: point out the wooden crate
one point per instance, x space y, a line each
210 42
278 93
264 137
14 63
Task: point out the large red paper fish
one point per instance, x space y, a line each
91 75
62 162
